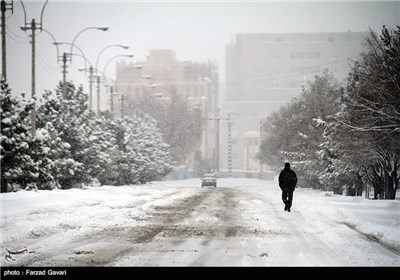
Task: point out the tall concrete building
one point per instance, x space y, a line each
264 71
161 75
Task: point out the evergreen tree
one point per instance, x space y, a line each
50 125
18 168
137 152
78 161
180 124
154 152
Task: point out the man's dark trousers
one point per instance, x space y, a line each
287 197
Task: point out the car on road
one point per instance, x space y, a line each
209 180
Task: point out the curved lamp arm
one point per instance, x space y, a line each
54 42
75 46
120 55
107 47
102 28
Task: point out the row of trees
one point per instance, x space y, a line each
345 136
74 147
180 123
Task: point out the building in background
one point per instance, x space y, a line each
161 75
263 71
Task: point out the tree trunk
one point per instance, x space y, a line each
359 185
376 181
389 164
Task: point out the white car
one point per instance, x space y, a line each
209 180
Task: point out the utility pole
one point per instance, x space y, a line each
217 118
122 106
98 95
259 145
112 101
90 88
33 116
4 7
33 26
64 74
229 145
64 71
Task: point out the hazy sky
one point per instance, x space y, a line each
196 31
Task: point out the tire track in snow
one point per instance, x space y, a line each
373 238
109 243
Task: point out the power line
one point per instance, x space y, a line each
17 41
45 65
16 35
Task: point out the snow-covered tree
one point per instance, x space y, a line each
73 147
18 168
50 127
154 151
77 153
373 92
138 153
180 124
372 110
118 171
294 133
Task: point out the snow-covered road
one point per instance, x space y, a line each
178 223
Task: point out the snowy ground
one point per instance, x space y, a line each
178 223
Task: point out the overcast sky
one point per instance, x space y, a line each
196 31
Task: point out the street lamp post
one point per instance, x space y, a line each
97 69
68 56
64 58
102 28
104 72
111 92
57 43
107 47
91 70
4 7
217 118
33 26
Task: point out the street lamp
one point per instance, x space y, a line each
56 43
32 26
69 55
102 28
107 47
114 57
104 71
111 92
64 58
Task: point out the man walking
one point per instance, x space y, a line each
287 183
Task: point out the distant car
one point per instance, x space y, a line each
209 180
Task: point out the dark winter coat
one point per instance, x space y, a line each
287 179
